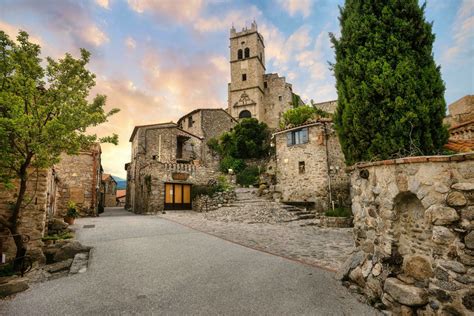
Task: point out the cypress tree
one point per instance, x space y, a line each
390 92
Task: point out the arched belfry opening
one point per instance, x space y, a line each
239 54
247 52
245 114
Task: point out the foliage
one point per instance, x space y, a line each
220 185
7 270
72 212
45 111
148 183
339 212
62 236
229 162
296 100
248 176
390 92
248 139
297 116
223 184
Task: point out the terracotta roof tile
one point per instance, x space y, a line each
460 145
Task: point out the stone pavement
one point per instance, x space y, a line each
146 265
323 247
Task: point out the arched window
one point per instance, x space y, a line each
247 52
239 54
245 114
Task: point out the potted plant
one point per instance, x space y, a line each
71 213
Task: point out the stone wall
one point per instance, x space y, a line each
109 191
413 228
205 203
33 216
461 111
277 99
79 180
312 184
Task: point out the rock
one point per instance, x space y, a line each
377 269
58 266
418 267
468 213
463 186
69 250
442 235
456 199
469 240
357 277
79 265
442 215
56 224
353 261
405 294
406 311
453 266
13 286
468 301
366 268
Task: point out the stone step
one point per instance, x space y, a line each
306 216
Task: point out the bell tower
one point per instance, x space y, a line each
247 70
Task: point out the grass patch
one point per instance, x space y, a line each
338 212
62 236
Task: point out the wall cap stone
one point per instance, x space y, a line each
417 159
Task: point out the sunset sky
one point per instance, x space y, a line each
157 60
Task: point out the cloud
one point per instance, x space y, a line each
103 3
93 35
221 22
294 7
130 43
173 10
12 31
462 33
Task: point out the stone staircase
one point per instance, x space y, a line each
257 208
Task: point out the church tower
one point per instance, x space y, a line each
247 70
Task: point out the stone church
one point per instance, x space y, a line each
251 91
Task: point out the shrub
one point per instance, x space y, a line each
339 212
208 190
248 176
230 162
390 92
64 235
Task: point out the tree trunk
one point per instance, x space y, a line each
18 238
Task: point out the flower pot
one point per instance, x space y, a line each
69 220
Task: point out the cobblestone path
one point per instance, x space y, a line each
323 247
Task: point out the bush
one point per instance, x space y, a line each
339 212
64 235
230 162
248 176
223 184
208 190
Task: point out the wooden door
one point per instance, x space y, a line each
177 196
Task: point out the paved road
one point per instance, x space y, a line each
148 265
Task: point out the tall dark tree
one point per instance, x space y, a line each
390 92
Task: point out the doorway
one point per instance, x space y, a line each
177 196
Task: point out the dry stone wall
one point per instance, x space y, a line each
413 228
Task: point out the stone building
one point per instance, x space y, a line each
75 178
310 166
80 178
328 106
168 158
109 190
461 125
251 92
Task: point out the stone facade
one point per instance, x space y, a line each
251 92
413 228
461 111
328 106
170 153
109 190
79 181
313 170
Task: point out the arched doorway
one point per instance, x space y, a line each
245 114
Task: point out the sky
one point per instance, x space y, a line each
158 60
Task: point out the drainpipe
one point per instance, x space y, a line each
326 138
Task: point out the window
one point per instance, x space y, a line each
299 136
244 77
279 98
247 52
239 54
265 85
245 114
301 167
190 121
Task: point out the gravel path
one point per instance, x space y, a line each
146 265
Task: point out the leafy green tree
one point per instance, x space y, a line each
390 92
251 139
300 115
44 112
